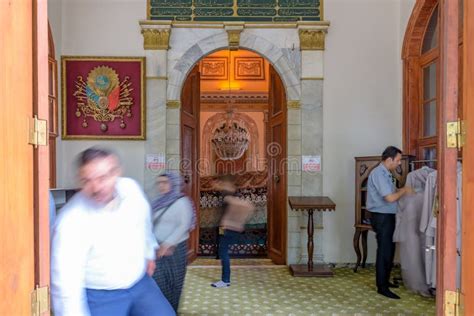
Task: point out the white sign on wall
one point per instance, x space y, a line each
155 162
311 163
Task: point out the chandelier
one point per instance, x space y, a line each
230 140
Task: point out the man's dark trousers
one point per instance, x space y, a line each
384 226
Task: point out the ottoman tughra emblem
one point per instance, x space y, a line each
103 97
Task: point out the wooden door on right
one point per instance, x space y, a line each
277 170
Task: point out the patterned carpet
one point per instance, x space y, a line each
273 291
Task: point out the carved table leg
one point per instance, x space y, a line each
364 247
357 247
310 240
310 269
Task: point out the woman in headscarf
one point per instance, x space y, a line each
173 218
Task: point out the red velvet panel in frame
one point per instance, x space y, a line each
103 97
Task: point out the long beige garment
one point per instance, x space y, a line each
411 242
428 227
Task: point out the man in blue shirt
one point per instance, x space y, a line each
382 197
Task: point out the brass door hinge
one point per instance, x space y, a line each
455 134
40 301
453 303
38 132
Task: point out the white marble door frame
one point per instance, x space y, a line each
301 71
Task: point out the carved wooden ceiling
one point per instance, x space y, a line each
239 78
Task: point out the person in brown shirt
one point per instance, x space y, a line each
235 213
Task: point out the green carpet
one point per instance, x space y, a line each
234 262
273 291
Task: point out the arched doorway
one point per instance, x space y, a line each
421 80
421 87
242 85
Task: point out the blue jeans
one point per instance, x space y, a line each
229 237
142 299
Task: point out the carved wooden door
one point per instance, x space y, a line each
190 99
24 171
276 157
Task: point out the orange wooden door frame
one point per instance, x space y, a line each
467 279
16 170
41 154
447 157
411 55
24 173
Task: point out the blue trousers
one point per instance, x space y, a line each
230 237
142 299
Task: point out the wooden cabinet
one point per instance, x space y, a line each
363 167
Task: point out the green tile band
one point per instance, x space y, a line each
298 12
299 3
171 3
214 12
232 19
171 11
256 3
256 12
213 3
235 10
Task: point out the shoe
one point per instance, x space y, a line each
220 284
388 293
393 285
427 294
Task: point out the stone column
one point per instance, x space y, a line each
156 43
294 179
312 50
173 134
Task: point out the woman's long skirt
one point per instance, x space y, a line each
170 272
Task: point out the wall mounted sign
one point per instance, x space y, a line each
103 97
311 163
155 162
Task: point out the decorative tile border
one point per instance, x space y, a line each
235 10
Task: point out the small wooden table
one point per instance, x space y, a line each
311 204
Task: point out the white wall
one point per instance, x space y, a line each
98 28
55 21
362 104
406 8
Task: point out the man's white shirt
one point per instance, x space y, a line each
100 247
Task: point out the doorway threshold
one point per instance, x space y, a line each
235 263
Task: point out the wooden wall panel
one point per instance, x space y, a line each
16 168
